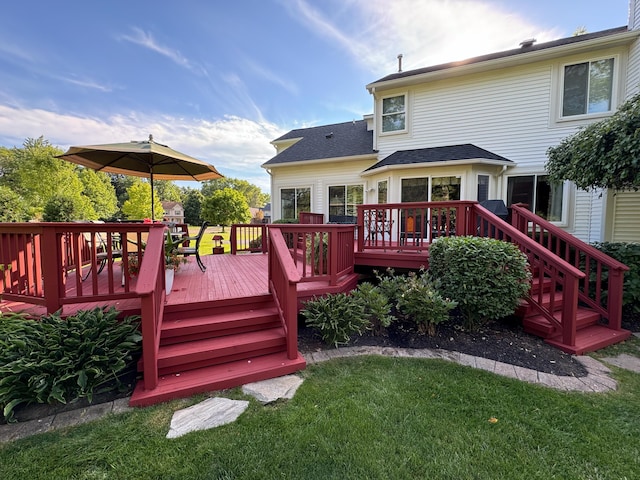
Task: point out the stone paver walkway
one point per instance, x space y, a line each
598 379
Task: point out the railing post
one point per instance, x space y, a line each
265 242
332 247
569 310
52 268
232 239
614 298
360 227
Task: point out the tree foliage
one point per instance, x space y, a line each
138 205
252 193
12 206
605 154
225 207
97 188
167 191
192 205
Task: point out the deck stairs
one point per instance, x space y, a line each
218 345
591 332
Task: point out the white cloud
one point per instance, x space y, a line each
233 144
146 40
426 32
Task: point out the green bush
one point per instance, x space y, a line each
337 317
629 254
60 360
421 301
391 285
376 306
486 277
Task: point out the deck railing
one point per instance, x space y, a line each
248 237
321 252
283 278
56 264
409 226
560 275
150 287
307 218
601 273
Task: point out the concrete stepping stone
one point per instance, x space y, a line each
628 362
267 391
210 413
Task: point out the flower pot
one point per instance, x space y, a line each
168 279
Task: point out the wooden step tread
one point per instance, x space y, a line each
540 326
217 377
174 322
590 339
220 346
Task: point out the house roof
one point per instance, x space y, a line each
168 205
465 151
525 51
339 140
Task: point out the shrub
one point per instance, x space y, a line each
337 317
59 360
391 285
421 301
376 306
486 277
629 254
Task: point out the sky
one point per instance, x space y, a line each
219 80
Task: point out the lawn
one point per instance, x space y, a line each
364 417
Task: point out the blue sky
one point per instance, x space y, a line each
219 80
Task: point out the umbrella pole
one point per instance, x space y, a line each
152 199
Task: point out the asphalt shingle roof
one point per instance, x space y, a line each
327 141
504 54
466 151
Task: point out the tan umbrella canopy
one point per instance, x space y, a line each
142 159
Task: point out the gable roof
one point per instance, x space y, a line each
465 151
522 54
339 140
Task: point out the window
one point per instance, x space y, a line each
483 188
587 88
382 191
394 114
543 198
445 189
343 201
293 201
442 189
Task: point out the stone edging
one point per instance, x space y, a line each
597 378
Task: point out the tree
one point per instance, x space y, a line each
252 193
605 154
138 205
12 207
167 191
61 209
192 205
97 188
225 207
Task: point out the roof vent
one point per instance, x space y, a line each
527 43
329 135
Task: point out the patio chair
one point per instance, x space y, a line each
102 253
182 250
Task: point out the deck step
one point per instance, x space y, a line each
217 377
590 339
177 329
180 357
540 326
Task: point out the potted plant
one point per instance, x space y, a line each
172 261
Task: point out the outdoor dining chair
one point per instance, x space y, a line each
102 252
182 250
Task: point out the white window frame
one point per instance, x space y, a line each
296 188
345 186
564 215
406 114
614 88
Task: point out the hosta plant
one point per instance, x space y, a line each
336 317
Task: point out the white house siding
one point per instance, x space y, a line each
317 176
508 112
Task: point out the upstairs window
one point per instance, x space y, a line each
587 88
394 114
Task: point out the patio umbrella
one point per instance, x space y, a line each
142 159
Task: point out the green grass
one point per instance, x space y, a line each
206 244
364 417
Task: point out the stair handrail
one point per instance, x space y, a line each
150 288
581 255
560 272
283 280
